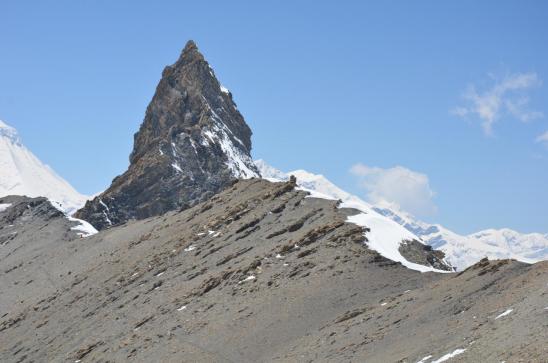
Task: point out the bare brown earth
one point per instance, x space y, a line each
259 273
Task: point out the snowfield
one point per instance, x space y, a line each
463 251
460 251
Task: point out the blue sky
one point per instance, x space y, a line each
435 105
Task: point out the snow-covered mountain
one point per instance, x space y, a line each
22 173
465 250
384 236
461 251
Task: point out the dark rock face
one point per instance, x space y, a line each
421 254
192 144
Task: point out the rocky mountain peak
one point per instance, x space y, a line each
192 143
191 51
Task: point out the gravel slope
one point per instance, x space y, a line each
258 273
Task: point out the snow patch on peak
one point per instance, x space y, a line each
224 89
239 164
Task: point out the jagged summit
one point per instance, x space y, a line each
189 46
190 51
186 86
192 143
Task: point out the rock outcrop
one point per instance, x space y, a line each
192 144
422 254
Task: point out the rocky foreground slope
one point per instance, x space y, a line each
258 273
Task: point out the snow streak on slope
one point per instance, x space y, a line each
460 251
237 161
21 173
83 229
385 236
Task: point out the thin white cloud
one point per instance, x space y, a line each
406 188
543 139
505 97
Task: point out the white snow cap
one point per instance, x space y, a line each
224 89
22 173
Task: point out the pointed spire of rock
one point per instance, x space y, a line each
190 48
192 143
190 53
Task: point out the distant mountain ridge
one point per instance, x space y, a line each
464 251
22 173
460 251
388 238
